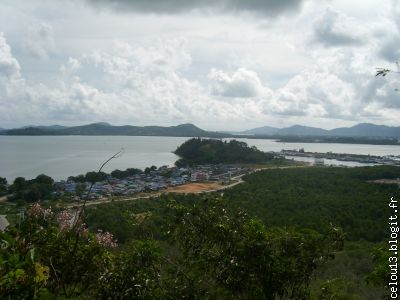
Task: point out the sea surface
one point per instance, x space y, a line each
63 156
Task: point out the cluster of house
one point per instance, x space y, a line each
153 180
360 158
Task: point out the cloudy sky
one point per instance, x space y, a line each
220 64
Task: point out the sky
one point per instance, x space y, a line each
218 64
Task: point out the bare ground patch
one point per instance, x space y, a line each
193 187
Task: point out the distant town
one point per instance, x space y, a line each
152 180
393 160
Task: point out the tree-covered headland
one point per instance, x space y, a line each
213 151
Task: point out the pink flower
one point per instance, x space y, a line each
106 239
35 211
47 213
65 220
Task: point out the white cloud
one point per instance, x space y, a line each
221 69
264 8
242 83
335 29
9 66
12 85
39 40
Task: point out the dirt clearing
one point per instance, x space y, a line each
193 188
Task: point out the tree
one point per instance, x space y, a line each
380 275
133 273
79 178
44 179
49 256
80 189
122 174
3 180
95 176
3 186
231 254
209 151
19 184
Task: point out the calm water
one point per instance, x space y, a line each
62 156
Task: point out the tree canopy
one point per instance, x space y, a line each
212 151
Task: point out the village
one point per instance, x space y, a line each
154 180
344 157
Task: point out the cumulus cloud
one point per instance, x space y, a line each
9 66
39 40
138 86
264 7
146 85
72 66
335 29
150 75
242 83
12 85
390 50
390 35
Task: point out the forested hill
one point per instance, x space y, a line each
185 130
210 151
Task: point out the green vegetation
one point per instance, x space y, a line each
100 176
275 236
3 186
91 176
315 197
312 198
123 174
32 190
208 253
209 151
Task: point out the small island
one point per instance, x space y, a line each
213 151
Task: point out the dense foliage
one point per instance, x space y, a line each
3 186
32 190
211 151
229 256
91 177
207 247
315 197
209 253
301 197
123 174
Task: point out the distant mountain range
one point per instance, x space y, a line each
184 130
363 130
359 130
